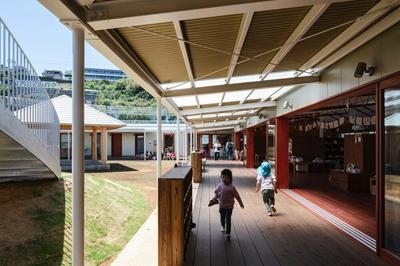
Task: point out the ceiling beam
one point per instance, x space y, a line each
242 86
219 119
117 13
312 16
219 124
228 108
377 11
241 37
215 128
363 38
182 45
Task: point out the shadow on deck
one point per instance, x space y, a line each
294 236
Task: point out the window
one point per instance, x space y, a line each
391 164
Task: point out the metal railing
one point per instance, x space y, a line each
23 95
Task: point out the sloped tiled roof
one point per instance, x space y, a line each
93 117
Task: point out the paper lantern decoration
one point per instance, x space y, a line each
341 121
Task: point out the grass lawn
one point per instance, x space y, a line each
35 226
113 214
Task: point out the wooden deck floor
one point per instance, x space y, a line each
294 236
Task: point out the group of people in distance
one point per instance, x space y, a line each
226 151
226 193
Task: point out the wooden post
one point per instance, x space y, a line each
250 148
103 146
196 167
282 152
94 144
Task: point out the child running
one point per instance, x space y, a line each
226 193
266 181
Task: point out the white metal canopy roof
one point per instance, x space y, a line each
225 60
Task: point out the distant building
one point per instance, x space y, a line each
99 74
53 74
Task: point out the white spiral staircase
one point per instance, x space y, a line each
29 126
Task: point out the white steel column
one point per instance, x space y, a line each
159 144
69 145
78 159
185 144
191 140
103 147
144 145
178 139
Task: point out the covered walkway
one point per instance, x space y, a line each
294 236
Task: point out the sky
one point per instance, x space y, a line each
45 41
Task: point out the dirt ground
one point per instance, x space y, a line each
140 174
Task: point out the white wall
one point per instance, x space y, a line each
128 144
382 52
108 144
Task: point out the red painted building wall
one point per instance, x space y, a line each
250 148
282 152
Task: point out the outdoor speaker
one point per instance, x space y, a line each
362 68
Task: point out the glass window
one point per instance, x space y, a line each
391 166
64 152
204 140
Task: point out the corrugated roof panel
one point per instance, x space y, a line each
162 55
336 14
216 32
268 30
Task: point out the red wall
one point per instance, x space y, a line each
250 148
282 152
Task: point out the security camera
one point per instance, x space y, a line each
363 68
286 105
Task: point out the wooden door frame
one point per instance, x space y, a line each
382 85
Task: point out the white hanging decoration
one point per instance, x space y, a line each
373 120
352 120
314 125
336 124
300 127
367 121
341 121
359 121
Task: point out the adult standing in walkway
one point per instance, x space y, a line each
217 149
229 150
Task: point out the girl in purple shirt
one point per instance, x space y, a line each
226 193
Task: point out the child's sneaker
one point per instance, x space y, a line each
228 236
269 213
222 229
273 208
